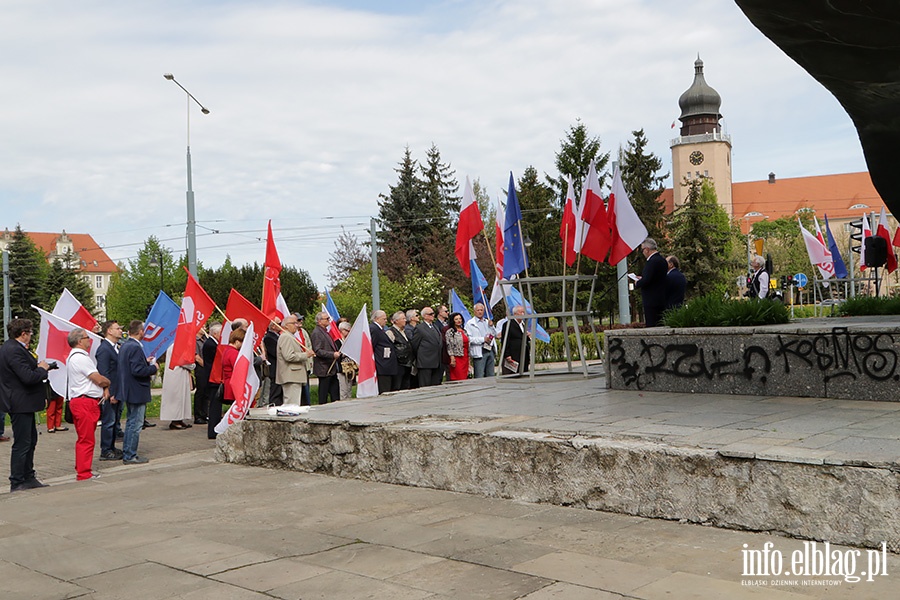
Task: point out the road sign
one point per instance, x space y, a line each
800 280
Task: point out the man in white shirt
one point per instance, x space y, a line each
481 343
87 389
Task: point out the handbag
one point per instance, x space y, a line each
67 413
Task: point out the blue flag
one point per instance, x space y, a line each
840 269
514 298
479 283
514 259
330 308
159 332
457 306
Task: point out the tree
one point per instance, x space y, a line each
576 152
400 227
701 238
784 243
133 290
540 223
440 192
414 290
62 275
348 256
640 176
27 273
298 289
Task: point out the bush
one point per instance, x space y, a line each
715 311
555 350
869 305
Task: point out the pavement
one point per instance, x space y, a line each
184 526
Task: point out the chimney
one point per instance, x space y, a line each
771 177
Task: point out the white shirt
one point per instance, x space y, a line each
477 330
79 366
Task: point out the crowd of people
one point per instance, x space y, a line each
409 353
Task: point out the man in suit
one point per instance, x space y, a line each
208 352
135 374
290 363
22 393
516 338
326 361
652 283
111 411
270 343
427 343
676 284
385 353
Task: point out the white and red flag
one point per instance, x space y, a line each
497 294
244 384
69 308
818 253
54 347
273 304
568 230
196 307
239 307
593 225
626 228
897 238
866 232
826 268
358 346
470 225
884 231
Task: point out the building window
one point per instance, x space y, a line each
98 282
87 278
101 301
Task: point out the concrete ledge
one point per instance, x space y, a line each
838 503
855 358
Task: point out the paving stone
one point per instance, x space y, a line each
370 560
60 557
592 571
333 585
704 588
567 591
270 575
22 583
144 581
464 580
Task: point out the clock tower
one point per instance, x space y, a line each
701 149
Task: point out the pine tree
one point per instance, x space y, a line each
540 224
441 189
61 275
640 176
401 225
27 273
576 152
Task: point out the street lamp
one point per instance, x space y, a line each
154 262
191 221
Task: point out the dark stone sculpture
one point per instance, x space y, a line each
852 47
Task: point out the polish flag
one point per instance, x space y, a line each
817 252
239 307
333 317
626 228
498 237
196 308
244 384
866 232
897 238
273 304
567 228
884 232
358 346
54 347
70 309
593 237
826 268
470 225
215 371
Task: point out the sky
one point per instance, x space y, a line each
312 104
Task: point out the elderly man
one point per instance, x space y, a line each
427 344
758 282
87 389
210 379
22 393
290 363
327 360
270 343
652 283
110 411
516 338
403 350
385 352
135 373
481 334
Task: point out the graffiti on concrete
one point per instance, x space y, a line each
836 354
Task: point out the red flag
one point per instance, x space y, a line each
897 237
470 224
196 307
272 281
239 307
244 384
884 232
498 238
69 308
593 237
567 230
627 230
54 346
866 232
215 372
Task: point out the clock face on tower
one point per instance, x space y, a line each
696 157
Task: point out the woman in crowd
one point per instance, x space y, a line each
457 348
229 358
349 368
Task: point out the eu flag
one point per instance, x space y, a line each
479 283
514 259
457 306
840 269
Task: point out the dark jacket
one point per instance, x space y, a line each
22 387
209 357
384 350
135 373
513 337
675 286
403 346
324 362
108 365
427 345
653 282
270 343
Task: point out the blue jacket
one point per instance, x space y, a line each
108 366
135 373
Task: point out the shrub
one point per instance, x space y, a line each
869 305
715 311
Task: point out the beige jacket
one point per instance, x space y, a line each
290 365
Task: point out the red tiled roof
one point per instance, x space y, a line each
93 258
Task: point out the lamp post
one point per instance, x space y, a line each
154 262
191 221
